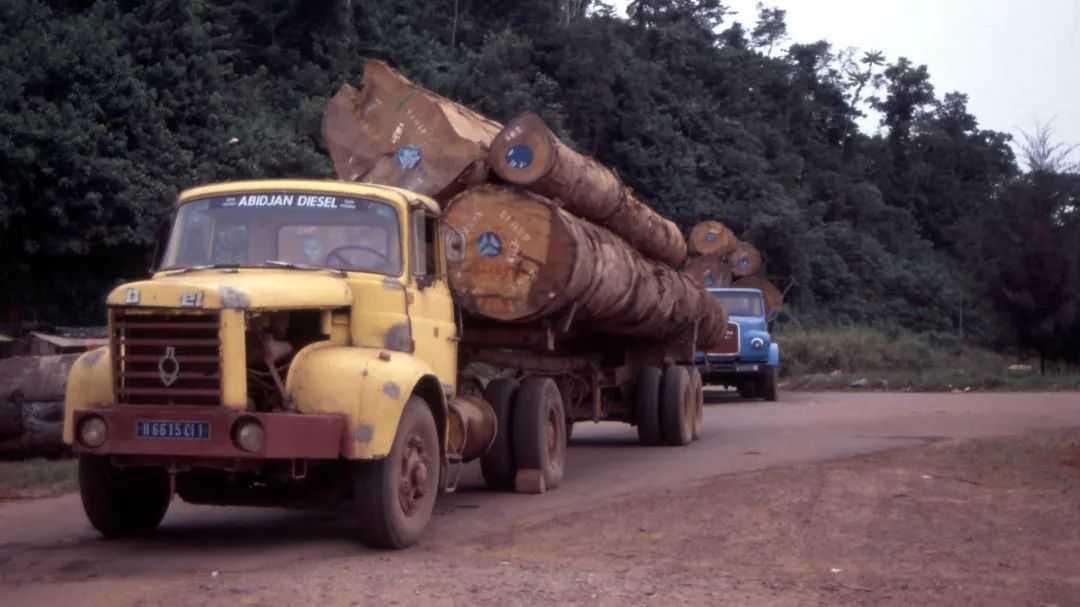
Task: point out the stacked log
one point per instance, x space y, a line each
527 153
393 132
712 238
722 260
32 404
774 299
517 257
709 271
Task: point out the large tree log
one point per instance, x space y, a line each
744 259
42 432
774 299
34 378
712 238
516 257
709 271
394 132
528 154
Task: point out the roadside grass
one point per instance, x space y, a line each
37 478
874 360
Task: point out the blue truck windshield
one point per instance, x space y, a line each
326 230
740 304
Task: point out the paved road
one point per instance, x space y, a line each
49 554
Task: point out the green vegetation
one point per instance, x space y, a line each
872 359
109 107
38 478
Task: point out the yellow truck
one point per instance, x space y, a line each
298 346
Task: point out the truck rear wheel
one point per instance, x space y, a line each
677 407
497 465
540 429
697 388
122 502
395 496
768 385
647 403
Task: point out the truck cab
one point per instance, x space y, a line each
296 345
747 358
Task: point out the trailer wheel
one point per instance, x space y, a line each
648 406
395 496
768 385
540 429
497 465
677 407
698 391
122 502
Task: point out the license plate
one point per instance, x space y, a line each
746 368
172 429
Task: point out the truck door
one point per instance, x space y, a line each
431 306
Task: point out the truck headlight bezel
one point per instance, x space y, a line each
757 343
93 431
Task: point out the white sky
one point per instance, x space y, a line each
1018 62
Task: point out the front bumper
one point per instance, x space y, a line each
287 435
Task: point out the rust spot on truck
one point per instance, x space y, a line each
392 390
234 299
93 357
398 338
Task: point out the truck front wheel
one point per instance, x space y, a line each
395 496
122 502
768 384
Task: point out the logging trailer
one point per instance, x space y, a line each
300 345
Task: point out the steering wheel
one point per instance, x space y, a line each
337 253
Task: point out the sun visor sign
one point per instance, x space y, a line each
290 200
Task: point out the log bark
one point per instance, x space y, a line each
774 299
517 257
394 132
41 433
745 260
34 378
528 154
712 238
709 271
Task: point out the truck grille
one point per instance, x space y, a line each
166 359
729 345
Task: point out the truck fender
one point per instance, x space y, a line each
89 385
774 354
369 386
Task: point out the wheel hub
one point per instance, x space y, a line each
413 477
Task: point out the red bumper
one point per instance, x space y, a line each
287 435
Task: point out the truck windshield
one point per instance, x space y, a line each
248 230
740 304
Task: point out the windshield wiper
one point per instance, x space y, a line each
303 266
207 266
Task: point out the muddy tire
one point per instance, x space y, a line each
677 406
768 385
698 391
394 497
647 406
540 429
497 465
122 502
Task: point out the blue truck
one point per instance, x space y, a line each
747 358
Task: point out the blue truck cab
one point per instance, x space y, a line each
747 358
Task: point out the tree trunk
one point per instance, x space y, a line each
709 271
516 257
712 238
528 154
394 132
745 260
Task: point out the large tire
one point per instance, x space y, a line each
497 465
768 384
394 497
677 406
122 502
698 390
749 388
540 429
647 405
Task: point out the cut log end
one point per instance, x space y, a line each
774 299
745 260
712 238
524 150
709 271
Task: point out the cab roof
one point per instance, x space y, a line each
327 186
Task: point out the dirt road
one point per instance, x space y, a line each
481 542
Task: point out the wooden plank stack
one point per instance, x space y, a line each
534 230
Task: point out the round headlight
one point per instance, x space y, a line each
93 432
757 343
249 435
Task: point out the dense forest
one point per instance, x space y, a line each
110 107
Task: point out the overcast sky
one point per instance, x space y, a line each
1019 62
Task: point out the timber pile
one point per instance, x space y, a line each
32 405
535 231
516 257
719 259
